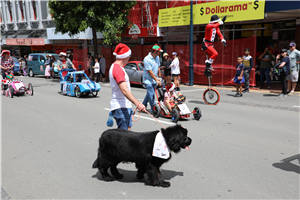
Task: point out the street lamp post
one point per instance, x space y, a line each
191 67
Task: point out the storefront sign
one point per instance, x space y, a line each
235 11
47 47
135 32
26 42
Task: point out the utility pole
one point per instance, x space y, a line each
191 67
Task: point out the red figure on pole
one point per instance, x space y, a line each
211 30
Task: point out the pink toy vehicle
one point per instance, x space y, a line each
11 87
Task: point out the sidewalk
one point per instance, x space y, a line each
275 88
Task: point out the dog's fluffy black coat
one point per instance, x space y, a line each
117 145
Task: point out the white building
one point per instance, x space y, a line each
25 19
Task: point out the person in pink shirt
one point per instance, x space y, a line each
170 96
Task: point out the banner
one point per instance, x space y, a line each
235 11
26 42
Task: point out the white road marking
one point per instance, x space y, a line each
148 118
296 106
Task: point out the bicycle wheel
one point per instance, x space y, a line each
211 96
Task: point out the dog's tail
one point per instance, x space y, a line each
96 164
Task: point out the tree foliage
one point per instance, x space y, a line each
107 17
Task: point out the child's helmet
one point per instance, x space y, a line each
10 76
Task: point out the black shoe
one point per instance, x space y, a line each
208 66
178 89
236 95
240 95
245 91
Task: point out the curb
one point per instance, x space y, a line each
252 90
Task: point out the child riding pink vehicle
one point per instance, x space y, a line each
11 86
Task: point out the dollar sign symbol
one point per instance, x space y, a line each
201 11
256 4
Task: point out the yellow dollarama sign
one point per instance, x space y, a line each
235 11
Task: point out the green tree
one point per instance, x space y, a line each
107 17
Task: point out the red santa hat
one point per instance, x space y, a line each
122 51
62 54
170 87
5 51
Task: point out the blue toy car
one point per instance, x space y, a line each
77 83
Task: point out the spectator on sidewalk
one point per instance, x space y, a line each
294 56
88 60
7 63
175 70
150 76
166 62
265 65
248 64
102 67
284 61
92 64
97 70
120 104
239 77
51 66
47 67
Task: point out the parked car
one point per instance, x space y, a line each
16 67
36 63
135 70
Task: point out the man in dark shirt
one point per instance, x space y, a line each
285 62
265 65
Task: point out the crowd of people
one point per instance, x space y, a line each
96 67
286 68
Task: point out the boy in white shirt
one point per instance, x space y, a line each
97 70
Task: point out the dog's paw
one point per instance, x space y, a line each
164 184
108 178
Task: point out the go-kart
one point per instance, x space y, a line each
15 87
77 83
179 110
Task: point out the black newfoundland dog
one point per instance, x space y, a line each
117 145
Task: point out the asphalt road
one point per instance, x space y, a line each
243 148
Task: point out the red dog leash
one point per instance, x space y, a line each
140 114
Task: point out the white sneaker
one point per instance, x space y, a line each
292 92
282 95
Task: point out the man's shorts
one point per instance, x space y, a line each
123 117
293 76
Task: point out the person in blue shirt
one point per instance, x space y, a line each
239 77
285 62
248 63
150 76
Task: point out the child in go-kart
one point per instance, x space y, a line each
170 96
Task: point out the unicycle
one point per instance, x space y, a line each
210 95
